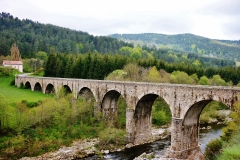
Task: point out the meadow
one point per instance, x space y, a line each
13 94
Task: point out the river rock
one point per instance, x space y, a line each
209 127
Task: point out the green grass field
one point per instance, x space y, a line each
14 94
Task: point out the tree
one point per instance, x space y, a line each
218 81
153 75
86 65
181 78
126 51
118 75
136 53
50 69
42 55
15 53
132 71
165 76
204 81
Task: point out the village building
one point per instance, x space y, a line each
14 64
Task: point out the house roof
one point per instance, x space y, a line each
7 62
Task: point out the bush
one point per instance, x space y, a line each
112 136
22 86
159 118
12 83
213 149
161 113
230 153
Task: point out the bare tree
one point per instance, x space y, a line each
15 53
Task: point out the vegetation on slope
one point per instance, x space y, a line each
227 146
45 124
97 66
32 37
226 49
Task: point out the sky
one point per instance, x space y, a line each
216 19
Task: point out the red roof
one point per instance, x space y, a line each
7 62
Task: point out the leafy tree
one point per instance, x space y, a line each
42 56
126 51
154 75
218 81
132 70
118 75
204 81
195 78
136 53
181 78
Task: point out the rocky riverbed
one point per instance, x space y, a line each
82 148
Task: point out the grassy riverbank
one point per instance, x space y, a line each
227 146
12 94
52 122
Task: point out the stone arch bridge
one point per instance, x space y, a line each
186 103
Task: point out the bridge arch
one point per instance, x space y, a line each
38 87
67 89
188 129
87 94
109 105
50 89
27 85
143 117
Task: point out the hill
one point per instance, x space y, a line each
226 49
32 37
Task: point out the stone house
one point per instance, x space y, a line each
14 64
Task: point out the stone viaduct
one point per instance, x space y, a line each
186 103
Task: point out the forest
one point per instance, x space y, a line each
32 37
202 46
98 66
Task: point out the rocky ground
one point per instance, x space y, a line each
82 148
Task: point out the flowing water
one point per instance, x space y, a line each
158 147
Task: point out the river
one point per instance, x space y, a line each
158 147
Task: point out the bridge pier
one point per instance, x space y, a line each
130 126
184 141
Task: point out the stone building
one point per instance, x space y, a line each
14 64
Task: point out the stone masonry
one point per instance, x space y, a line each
186 103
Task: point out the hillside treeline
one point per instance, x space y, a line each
32 37
226 49
98 66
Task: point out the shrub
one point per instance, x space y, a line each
22 85
230 153
213 149
112 136
12 83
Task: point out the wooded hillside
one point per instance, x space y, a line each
32 37
226 49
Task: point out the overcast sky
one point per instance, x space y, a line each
216 19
